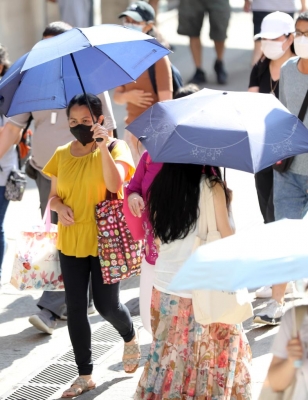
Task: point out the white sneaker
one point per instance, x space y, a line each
264 292
271 314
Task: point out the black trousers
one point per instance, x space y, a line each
264 180
76 274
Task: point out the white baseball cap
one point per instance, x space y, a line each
276 24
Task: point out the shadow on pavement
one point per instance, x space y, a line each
19 345
19 308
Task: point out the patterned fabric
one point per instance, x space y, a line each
36 263
15 186
120 256
189 361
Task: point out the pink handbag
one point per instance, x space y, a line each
134 224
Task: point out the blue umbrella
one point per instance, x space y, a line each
239 130
261 255
80 60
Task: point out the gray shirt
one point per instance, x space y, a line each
293 86
51 130
8 161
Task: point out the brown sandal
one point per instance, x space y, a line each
132 355
77 391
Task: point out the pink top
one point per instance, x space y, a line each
140 183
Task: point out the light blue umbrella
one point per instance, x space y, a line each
239 130
261 255
80 60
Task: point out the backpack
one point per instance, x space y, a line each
177 79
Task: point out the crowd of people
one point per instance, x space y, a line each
186 359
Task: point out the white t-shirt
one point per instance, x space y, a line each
9 160
274 5
279 349
171 257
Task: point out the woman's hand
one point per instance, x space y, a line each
135 204
65 214
295 350
99 132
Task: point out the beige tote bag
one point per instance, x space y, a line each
211 306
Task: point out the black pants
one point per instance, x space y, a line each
76 275
264 184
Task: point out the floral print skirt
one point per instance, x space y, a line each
189 361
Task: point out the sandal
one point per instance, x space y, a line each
83 387
132 355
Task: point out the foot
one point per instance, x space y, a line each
220 72
131 355
82 384
44 321
199 78
271 314
91 310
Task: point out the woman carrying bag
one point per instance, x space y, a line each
8 162
186 359
81 172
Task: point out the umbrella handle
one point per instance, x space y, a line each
84 92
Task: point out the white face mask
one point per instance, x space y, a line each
272 50
134 26
301 46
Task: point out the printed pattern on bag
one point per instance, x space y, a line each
120 255
15 186
36 265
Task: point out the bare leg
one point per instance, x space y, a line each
154 4
220 49
196 50
278 292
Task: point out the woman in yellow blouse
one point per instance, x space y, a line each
81 172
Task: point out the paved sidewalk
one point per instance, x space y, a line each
24 352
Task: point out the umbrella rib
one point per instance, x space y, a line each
94 47
115 63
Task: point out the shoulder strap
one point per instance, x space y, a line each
112 145
152 77
303 110
109 195
207 220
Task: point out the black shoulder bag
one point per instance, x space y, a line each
284 165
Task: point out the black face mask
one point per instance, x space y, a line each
83 133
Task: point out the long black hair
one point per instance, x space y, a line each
173 199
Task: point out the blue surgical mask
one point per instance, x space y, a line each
136 27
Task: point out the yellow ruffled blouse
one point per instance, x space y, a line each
80 185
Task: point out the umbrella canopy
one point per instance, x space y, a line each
239 130
261 255
91 59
